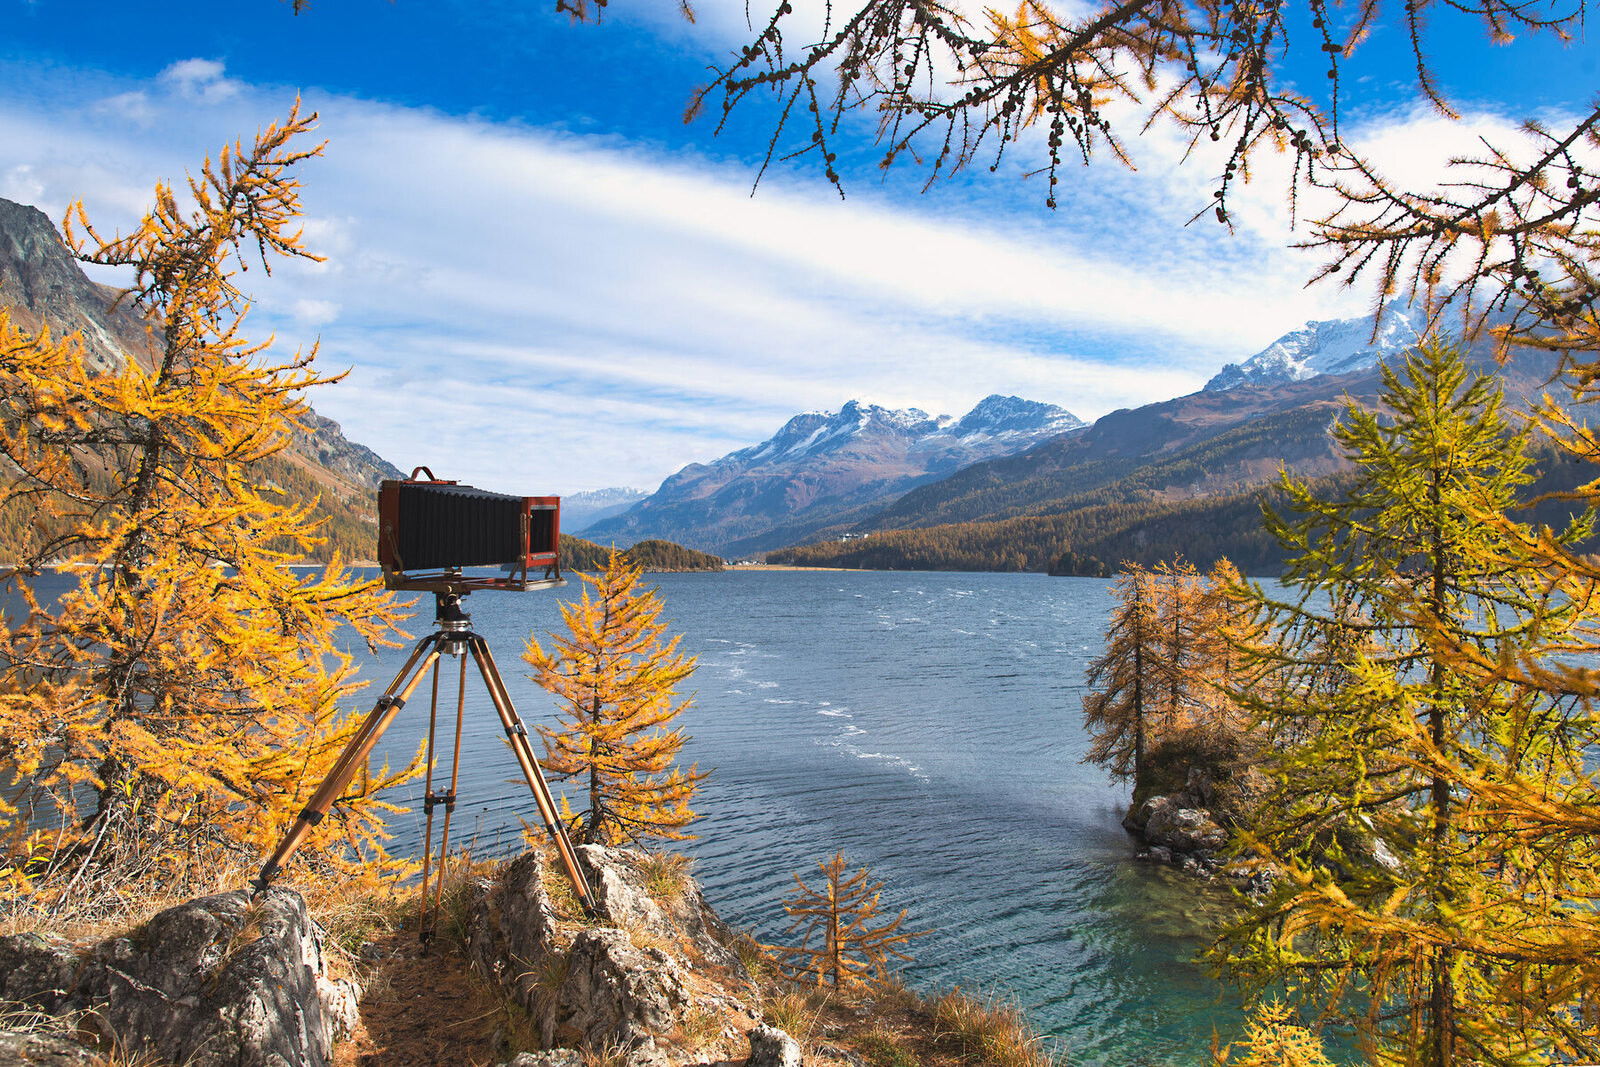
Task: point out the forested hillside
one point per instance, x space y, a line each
580 555
1093 535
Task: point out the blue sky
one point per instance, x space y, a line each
543 281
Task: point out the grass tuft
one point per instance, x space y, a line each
992 1030
883 1049
666 874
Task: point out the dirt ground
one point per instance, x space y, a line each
422 1008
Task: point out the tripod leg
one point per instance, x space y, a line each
427 804
517 737
354 755
450 797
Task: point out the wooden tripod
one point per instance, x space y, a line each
453 637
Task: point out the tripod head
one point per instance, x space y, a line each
447 613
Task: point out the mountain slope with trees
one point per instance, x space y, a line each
578 554
42 286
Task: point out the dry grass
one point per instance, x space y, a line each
992 1030
353 913
666 875
698 1028
101 904
547 977
797 1011
73 1027
649 941
754 955
883 1048
611 1056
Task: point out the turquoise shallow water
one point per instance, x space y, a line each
928 725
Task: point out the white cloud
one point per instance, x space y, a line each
200 79
133 106
311 313
21 184
552 313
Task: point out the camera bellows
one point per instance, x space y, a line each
457 526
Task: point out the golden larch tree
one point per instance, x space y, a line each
842 942
616 681
1118 707
1432 734
182 697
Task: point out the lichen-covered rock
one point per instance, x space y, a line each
44 1050
228 980
556 1057
341 1006
511 922
771 1047
615 993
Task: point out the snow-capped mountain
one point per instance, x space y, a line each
1336 346
580 510
822 467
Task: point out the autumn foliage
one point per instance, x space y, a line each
1164 676
1430 710
616 681
183 696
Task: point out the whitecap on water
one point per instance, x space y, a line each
766 685
836 713
888 759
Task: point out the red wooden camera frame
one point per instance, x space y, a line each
394 573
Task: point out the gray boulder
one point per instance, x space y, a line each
615 993
37 971
223 981
771 1047
681 917
1181 829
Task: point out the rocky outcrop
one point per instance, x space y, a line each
1191 828
238 980
630 977
615 993
229 980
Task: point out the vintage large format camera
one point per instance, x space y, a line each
430 529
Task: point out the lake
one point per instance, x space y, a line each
928 725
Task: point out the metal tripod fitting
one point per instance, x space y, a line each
453 637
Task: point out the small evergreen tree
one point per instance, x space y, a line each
839 944
616 682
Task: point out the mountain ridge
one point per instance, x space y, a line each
1113 490
821 467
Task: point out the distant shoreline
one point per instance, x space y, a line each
787 567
